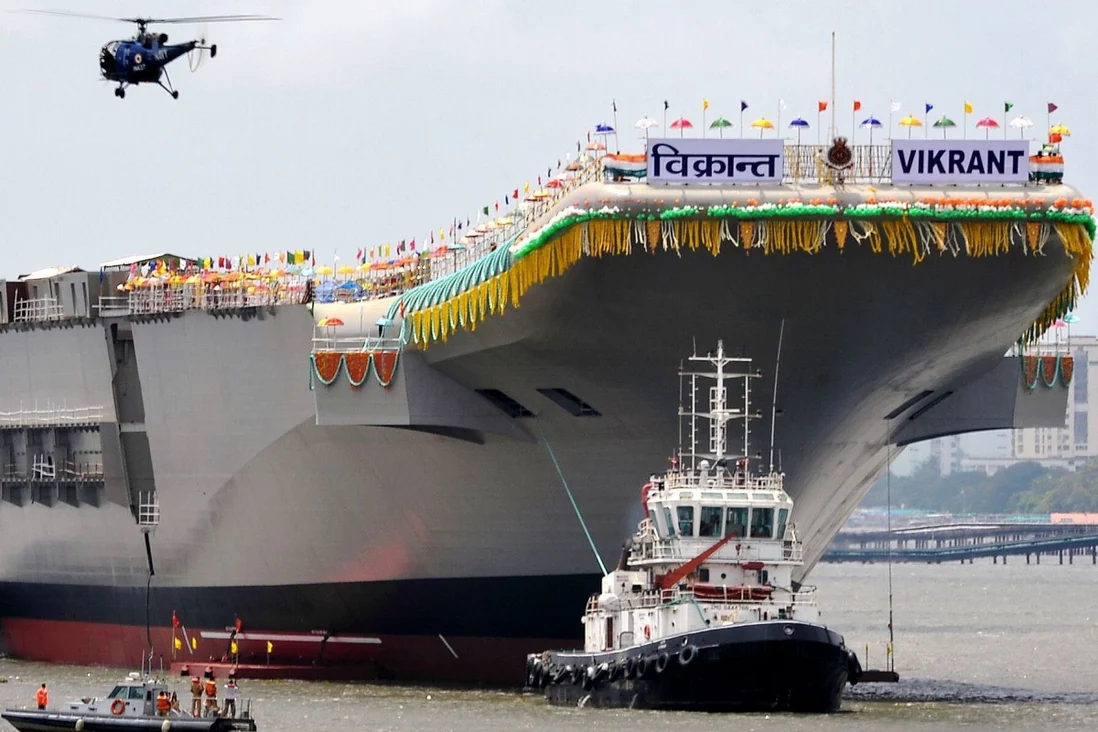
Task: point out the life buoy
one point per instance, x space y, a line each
648 632
117 707
645 490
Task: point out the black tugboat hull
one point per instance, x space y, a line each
777 665
33 720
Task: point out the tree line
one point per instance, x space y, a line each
1023 488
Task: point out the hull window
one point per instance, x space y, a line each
570 402
504 402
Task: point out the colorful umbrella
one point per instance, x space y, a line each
329 322
682 123
596 145
763 124
987 123
1059 129
719 124
870 123
910 122
945 123
801 125
1020 123
323 270
1071 318
644 123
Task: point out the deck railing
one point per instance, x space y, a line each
356 345
51 415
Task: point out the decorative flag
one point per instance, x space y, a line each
175 620
895 107
485 209
1052 107
233 648
614 104
194 643
821 106
929 107
743 105
270 646
178 644
1007 107
514 193
968 107
857 105
665 105
705 104
237 622
781 104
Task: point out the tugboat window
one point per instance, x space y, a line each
116 692
762 523
670 521
655 524
783 519
686 520
709 522
737 522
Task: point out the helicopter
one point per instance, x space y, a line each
144 58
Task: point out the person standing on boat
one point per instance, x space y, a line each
163 704
42 697
230 697
196 697
211 695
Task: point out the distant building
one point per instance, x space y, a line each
1075 518
946 453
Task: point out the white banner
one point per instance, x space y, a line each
719 162
960 161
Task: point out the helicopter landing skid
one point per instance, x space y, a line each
168 88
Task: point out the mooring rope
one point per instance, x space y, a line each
571 498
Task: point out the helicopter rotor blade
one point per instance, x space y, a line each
148 21
67 14
201 19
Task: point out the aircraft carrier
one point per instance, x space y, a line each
199 451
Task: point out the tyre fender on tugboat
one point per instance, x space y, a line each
661 662
688 654
630 667
642 667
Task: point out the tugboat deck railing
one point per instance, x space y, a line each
668 550
803 597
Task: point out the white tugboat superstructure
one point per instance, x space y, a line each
701 611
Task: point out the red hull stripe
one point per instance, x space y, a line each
460 659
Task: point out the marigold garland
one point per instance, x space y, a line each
327 365
978 227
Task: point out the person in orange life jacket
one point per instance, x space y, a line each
196 696
163 704
42 697
230 697
211 694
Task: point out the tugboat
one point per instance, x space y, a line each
131 705
701 612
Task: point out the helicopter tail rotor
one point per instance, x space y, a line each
198 55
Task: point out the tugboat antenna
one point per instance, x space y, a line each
774 401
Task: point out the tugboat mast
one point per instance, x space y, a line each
718 412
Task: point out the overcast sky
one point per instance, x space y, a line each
358 122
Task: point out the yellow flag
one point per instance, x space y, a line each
526 188
178 644
968 107
705 104
270 646
232 648
194 643
251 260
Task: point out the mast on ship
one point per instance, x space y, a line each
716 410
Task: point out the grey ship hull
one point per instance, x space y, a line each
405 544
